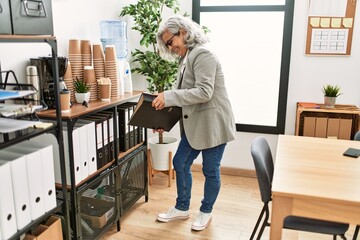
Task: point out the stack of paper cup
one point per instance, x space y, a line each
89 78
99 61
86 55
75 59
111 69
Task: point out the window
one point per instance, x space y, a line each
253 42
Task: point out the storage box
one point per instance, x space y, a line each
32 17
50 230
96 212
5 17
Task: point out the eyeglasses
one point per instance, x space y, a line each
169 42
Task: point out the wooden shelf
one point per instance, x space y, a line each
341 122
78 110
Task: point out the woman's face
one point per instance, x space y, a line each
175 42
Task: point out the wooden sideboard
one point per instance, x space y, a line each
315 120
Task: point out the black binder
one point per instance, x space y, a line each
108 117
124 128
102 150
134 130
148 117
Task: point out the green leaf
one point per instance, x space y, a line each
160 73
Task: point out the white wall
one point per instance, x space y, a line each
80 19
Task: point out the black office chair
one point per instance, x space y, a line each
357 136
264 167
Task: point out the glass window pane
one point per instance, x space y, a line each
240 2
253 75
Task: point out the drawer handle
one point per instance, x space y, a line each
1 8
34 8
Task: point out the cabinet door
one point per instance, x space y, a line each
321 127
5 17
309 126
345 129
333 127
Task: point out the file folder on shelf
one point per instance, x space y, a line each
124 128
90 143
101 149
7 208
132 128
81 138
76 154
139 132
50 138
47 161
108 117
35 179
19 186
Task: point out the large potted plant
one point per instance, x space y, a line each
160 73
330 94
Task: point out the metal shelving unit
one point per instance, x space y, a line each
126 166
63 205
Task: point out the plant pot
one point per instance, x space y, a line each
329 102
160 152
81 97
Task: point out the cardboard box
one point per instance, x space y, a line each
51 230
96 212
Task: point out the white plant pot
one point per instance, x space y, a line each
160 152
81 97
329 102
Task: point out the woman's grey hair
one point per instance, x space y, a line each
195 35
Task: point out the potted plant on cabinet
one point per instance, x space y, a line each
331 92
160 73
81 91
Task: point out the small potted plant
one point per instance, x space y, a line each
82 91
331 92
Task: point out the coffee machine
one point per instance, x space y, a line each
45 73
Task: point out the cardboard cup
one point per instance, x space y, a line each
65 100
104 90
68 72
74 46
85 46
110 53
98 52
89 74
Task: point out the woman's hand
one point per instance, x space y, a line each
159 102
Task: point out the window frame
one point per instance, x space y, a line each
288 10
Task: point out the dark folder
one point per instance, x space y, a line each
108 117
148 117
124 129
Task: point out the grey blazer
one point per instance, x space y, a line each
208 119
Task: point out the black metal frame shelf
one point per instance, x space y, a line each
75 191
62 205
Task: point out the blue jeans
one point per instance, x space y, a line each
183 159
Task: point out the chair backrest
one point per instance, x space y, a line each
357 136
264 166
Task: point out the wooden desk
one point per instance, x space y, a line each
313 179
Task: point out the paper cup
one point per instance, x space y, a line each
104 90
74 46
89 74
110 53
65 100
85 46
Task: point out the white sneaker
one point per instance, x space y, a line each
202 221
172 215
